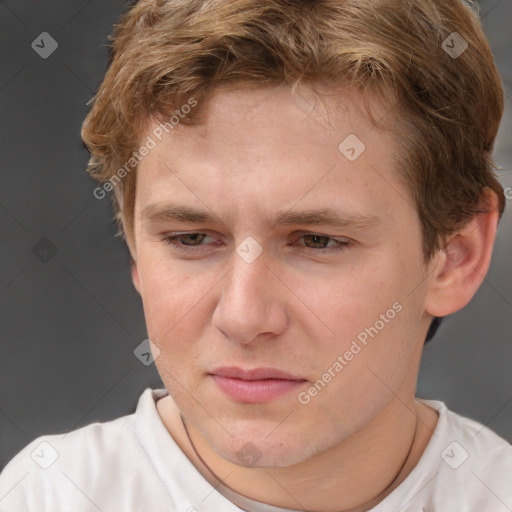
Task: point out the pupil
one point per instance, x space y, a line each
195 237
318 240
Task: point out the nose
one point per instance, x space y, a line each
251 305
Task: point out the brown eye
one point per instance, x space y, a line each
184 241
190 239
316 241
321 243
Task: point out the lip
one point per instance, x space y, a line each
254 386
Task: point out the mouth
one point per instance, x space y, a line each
254 386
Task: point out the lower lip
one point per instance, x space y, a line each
255 391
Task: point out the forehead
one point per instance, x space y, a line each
315 114
265 150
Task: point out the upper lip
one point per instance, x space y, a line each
235 372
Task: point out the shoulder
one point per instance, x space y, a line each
475 439
59 461
62 471
487 457
465 466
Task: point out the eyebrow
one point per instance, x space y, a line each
323 216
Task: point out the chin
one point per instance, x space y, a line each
261 450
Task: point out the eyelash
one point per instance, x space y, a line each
171 239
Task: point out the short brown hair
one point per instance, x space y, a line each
448 106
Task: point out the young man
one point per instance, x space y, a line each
303 187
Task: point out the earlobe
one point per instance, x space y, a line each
461 266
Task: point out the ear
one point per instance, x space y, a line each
460 267
135 276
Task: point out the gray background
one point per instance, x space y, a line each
70 318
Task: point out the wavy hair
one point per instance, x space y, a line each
446 107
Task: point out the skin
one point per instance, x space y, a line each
294 308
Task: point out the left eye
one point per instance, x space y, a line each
322 242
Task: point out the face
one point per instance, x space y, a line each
281 273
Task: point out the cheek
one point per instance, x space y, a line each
359 375
359 367
346 300
176 308
174 300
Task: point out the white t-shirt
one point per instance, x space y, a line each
132 464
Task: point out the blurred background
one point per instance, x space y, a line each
70 319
